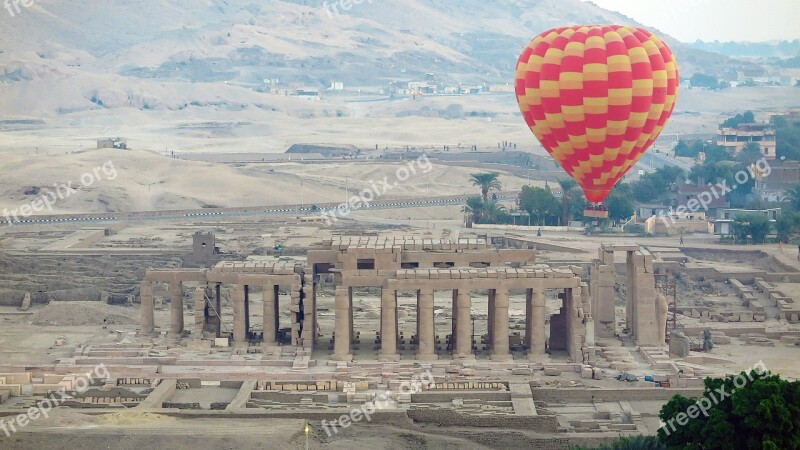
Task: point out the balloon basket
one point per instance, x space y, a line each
595 213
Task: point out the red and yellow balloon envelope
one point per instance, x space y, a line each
596 97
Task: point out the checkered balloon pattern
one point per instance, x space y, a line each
596 97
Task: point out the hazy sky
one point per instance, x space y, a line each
709 20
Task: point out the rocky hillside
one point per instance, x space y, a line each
61 57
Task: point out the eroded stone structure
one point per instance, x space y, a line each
645 317
467 269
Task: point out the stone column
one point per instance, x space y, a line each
464 324
199 311
146 299
630 294
218 309
343 330
389 325
239 321
529 319
538 316
270 314
490 320
500 349
176 308
425 321
246 309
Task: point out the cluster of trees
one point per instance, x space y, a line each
788 224
757 411
656 185
739 119
708 81
482 208
788 136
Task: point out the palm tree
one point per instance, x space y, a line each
567 185
487 182
493 210
474 207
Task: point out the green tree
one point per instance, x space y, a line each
568 187
761 412
539 203
493 211
681 149
788 223
788 138
792 199
487 182
751 152
756 226
474 208
739 119
657 184
620 204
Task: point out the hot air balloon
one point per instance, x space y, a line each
596 97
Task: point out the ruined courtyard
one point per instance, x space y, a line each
491 338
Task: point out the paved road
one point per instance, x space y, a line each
275 210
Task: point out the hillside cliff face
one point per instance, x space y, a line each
61 57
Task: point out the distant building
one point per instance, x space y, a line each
783 175
307 94
675 223
336 86
204 248
722 225
118 143
689 192
734 139
646 210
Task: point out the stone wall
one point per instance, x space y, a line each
453 418
588 395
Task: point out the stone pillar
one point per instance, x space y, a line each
146 299
454 323
464 324
176 308
538 316
199 311
270 314
218 309
603 297
425 321
246 310
630 296
239 321
389 325
309 333
500 349
662 312
647 333
490 320
529 319
343 330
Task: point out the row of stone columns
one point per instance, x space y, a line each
462 333
239 298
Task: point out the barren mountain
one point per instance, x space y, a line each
60 57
